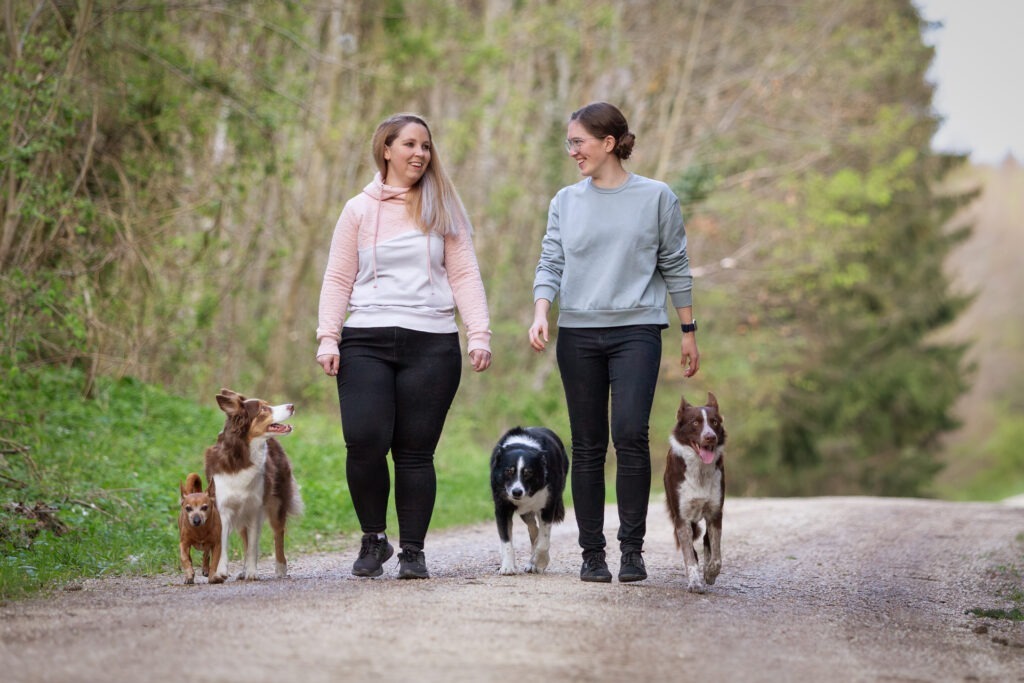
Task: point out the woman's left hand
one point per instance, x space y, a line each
480 359
690 355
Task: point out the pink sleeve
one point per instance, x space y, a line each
468 289
339 277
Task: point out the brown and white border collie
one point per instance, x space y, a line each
695 487
253 478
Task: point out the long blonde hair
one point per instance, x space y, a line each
432 202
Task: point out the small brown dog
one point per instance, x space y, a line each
199 527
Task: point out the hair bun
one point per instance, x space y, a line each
625 145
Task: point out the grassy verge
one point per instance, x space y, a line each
90 487
1008 587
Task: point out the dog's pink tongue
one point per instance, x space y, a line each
707 455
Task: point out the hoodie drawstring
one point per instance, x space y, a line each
376 231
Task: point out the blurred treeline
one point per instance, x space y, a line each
172 172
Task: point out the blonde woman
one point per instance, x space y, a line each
401 262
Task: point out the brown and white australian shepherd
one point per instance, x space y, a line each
695 487
253 478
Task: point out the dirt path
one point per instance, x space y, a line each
824 589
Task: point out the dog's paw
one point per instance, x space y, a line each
694 582
507 569
218 578
190 578
281 570
538 565
712 570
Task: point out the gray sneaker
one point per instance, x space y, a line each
595 569
412 564
373 553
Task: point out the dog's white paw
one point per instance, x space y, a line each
218 578
508 569
694 583
248 575
281 569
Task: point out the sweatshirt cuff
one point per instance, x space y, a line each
681 299
328 347
479 341
544 292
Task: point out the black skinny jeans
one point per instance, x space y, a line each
394 389
593 362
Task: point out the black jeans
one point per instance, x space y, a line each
394 389
624 362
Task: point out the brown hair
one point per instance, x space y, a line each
432 202
601 120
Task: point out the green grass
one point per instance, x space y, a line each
109 467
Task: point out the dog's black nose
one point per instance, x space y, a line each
517 493
197 520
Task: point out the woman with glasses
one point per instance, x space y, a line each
401 260
613 253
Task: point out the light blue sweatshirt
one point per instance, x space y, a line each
612 256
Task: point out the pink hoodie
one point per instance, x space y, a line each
384 272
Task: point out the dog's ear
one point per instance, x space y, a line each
229 403
712 401
211 490
252 407
683 405
181 487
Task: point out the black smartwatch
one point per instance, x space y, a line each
689 327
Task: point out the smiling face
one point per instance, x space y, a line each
407 156
593 155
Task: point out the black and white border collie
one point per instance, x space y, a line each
528 471
695 487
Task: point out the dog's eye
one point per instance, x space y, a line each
188 508
510 471
205 508
527 471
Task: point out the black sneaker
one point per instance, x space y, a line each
412 564
594 568
632 567
372 554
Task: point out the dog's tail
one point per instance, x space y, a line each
193 483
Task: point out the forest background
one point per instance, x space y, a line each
172 172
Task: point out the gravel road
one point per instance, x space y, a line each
814 589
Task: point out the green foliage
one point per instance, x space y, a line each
1015 614
177 169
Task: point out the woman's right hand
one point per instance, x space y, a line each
539 328
330 363
539 334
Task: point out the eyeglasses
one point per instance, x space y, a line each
573 145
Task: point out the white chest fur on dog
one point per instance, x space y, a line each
701 490
240 493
